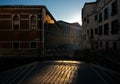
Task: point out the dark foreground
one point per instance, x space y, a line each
59 72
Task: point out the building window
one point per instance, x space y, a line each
115 45
96 30
15 44
16 18
87 32
100 43
96 45
16 22
33 27
33 18
95 17
107 46
33 45
33 23
84 19
16 27
114 8
91 33
106 14
40 24
92 45
114 27
88 20
100 30
100 17
106 29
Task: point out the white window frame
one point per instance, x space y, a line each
13 22
30 21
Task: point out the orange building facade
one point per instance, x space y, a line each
22 27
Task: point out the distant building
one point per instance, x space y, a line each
25 28
72 33
101 25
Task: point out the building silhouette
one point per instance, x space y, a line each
101 25
72 33
26 29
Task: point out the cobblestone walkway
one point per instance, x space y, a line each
54 72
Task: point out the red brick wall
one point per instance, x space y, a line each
6 36
24 24
5 45
5 24
24 35
5 16
24 44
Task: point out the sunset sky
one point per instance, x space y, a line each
66 10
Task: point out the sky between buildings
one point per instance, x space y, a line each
66 10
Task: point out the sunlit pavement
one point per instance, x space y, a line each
60 72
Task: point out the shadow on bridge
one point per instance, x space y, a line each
87 56
50 72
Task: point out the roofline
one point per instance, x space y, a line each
89 3
27 6
22 6
69 23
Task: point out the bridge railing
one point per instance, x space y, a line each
103 60
18 53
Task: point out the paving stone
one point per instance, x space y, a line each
53 72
